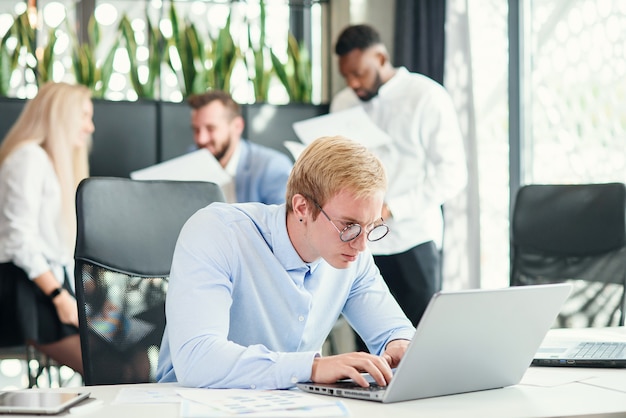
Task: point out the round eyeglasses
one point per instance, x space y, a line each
375 231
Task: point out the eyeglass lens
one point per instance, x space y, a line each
352 231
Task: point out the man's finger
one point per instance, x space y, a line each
388 359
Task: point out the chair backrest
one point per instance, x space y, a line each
574 233
126 234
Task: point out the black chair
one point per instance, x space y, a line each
577 234
126 233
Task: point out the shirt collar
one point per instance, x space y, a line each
231 167
394 82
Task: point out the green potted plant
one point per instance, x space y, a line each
84 63
156 44
295 74
224 57
24 35
188 58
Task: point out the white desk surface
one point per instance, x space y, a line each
544 392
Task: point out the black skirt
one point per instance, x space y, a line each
26 313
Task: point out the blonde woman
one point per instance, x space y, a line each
42 159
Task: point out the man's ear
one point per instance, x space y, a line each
381 54
382 58
238 124
300 206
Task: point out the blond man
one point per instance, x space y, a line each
255 289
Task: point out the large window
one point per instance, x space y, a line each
489 50
576 114
573 96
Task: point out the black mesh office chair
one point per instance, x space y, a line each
126 233
573 233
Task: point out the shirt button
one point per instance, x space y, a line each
252 386
294 379
301 318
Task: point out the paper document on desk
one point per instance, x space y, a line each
153 395
352 123
545 377
257 403
614 381
198 165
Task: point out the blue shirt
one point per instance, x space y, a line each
244 311
262 174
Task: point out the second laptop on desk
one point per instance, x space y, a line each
585 352
467 341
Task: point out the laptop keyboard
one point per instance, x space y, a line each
597 350
352 385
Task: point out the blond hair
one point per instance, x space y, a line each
52 120
332 164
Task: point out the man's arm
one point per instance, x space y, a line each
373 312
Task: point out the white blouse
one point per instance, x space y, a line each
31 233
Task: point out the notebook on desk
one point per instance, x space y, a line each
582 353
467 341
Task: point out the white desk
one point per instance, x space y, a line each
587 396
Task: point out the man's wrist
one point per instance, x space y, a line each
397 340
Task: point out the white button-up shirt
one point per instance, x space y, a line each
425 161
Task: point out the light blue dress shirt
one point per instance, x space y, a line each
262 174
244 311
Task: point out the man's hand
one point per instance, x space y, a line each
394 352
351 365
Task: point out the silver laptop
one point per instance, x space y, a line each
584 353
467 341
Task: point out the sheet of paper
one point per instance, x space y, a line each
352 123
545 377
261 402
191 409
197 165
615 381
156 394
295 148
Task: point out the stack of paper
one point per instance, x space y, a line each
352 123
198 165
